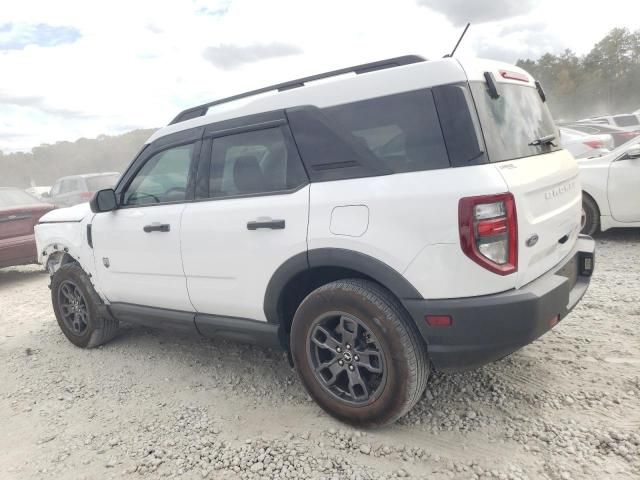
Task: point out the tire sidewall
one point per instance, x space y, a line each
395 390
75 274
592 223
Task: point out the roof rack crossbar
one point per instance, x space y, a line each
201 110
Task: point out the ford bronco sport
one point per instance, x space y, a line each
395 217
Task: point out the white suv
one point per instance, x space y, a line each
396 217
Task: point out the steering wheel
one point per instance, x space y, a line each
136 196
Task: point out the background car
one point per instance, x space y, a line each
629 121
75 189
19 213
619 135
585 145
41 193
611 189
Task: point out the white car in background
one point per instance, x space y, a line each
628 121
611 189
585 145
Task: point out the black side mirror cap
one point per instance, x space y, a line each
104 201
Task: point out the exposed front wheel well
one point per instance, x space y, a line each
57 259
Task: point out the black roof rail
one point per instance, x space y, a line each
201 110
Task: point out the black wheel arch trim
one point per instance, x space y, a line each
359 262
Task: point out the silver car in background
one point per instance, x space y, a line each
69 191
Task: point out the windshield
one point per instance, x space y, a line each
101 182
12 197
513 121
627 120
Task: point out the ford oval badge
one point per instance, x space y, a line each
532 240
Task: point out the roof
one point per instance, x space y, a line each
349 85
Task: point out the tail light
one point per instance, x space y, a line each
594 143
86 195
489 231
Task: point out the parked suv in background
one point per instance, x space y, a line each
400 216
75 189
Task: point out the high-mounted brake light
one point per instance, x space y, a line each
514 76
489 231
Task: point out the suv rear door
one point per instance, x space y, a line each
542 177
251 216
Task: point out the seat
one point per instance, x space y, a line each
247 175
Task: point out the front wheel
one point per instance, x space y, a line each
76 306
357 353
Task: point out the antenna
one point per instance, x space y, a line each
459 40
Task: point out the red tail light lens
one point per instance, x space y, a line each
86 195
489 231
594 143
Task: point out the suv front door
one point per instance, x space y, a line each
137 246
252 218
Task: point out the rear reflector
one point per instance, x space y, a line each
439 320
553 321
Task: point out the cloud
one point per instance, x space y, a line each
38 103
460 12
519 41
18 36
228 57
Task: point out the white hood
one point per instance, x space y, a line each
77 213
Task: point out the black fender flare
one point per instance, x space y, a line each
359 262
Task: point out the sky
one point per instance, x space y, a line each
72 69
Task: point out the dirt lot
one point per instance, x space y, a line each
152 404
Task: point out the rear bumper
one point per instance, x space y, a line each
490 327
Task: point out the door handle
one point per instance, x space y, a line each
157 227
272 224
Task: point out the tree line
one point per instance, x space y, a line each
44 164
606 81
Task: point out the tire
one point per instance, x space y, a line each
590 223
77 308
389 375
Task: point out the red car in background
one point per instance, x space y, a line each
19 213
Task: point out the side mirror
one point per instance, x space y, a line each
104 201
633 152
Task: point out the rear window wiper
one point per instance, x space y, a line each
546 140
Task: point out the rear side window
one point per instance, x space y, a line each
259 161
401 130
626 120
101 182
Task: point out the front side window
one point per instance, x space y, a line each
513 123
402 130
162 179
259 161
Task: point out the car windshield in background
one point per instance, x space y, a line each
514 122
12 197
627 120
101 182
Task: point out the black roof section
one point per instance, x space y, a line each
201 110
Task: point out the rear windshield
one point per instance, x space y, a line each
511 122
12 197
626 120
101 182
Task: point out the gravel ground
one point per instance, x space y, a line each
153 404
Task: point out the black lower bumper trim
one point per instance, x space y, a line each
490 327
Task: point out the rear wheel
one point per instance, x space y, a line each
76 306
590 220
357 353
